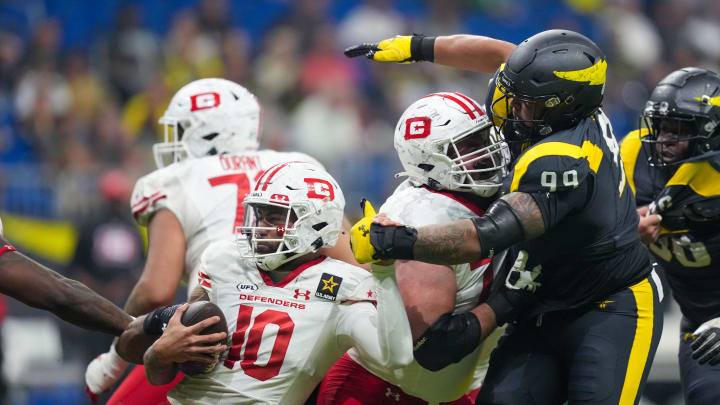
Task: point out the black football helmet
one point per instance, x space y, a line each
558 75
681 120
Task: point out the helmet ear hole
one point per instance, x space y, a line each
319 226
426 167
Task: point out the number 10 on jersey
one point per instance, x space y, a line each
251 342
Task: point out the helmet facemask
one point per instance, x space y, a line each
522 131
478 161
273 234
674 138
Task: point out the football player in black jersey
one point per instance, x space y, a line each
589 331
673 167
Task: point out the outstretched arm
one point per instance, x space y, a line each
470 52
38 286
514 218
469 240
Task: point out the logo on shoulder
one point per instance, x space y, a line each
246 286
328 287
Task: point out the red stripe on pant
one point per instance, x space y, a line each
137 390
348 383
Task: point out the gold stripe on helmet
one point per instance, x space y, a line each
595 74
499 110
715 101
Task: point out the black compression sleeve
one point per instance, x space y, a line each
498 229
448 340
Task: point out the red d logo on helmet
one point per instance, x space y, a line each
417 127
319 188
204 101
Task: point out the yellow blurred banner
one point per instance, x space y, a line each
46 239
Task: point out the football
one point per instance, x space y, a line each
195 313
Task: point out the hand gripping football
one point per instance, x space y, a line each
196 312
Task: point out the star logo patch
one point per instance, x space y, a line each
328 286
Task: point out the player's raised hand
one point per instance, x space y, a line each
180 343
400 49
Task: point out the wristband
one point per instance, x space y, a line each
156 321
7 248
393 242
422 47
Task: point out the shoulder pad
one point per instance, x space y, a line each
554 166
701 177
151 193
223 255
418 206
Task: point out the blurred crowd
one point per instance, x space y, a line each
82 85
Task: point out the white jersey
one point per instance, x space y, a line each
286 335
205 194
418 206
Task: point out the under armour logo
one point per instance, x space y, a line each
305 294
390 394
364 230
280 230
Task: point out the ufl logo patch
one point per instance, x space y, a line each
328 286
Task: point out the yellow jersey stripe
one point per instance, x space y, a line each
589 151
640 350
701 177
629 151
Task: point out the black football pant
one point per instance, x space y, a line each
598 354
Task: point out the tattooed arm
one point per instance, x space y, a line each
514 218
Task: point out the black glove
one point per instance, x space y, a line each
448 340
706 347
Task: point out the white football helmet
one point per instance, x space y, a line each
208 117
446 141
313 215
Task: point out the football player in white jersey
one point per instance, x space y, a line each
206 165
455 163
292 311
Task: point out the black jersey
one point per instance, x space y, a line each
689 244
591 248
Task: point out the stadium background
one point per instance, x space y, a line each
82 84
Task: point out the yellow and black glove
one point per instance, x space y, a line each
360 236
400 49
373 243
